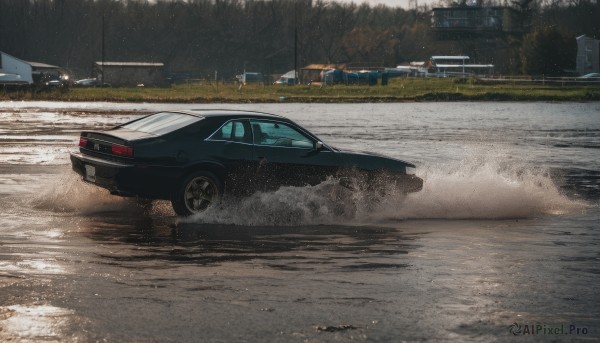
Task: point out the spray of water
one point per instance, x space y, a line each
483 190
68 193
474 189
478 188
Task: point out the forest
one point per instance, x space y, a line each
202 37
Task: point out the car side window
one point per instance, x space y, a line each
235 131
239 132
225 132
279 134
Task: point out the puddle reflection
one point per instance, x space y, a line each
143 237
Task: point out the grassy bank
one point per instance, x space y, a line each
399 90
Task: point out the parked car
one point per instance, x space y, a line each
53 84
90 83
287 79
12 82
12 79
192 158
85 83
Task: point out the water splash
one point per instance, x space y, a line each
478 188
473 189
326 203
68 193
482 189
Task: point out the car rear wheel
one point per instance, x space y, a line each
197 192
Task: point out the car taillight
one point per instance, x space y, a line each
121 150
83 141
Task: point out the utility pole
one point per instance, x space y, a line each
102 77
296 56
296 75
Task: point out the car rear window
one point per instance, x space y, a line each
161 123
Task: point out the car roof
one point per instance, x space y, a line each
230 113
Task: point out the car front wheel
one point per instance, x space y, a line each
197 192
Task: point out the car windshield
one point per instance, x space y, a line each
161 123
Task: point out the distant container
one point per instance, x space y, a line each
333 76
372 76
368 77
384 79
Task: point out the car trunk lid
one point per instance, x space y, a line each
113 144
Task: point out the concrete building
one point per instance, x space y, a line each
131 74
588 55
475 19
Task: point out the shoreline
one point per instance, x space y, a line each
452 97
405 90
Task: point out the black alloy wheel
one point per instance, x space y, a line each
198 191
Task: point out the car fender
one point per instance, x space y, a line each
371 161
214 167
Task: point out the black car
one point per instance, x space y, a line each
194 157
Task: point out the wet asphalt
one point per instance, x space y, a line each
472 257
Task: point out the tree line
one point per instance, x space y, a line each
228 36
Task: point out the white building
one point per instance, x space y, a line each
14 70
17 71
588 60
447 66
457 66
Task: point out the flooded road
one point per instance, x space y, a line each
503 241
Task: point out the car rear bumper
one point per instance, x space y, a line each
114 176
124 179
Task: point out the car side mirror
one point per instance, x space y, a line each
318 145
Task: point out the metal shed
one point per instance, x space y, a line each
131 74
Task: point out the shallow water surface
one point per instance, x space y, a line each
502 240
